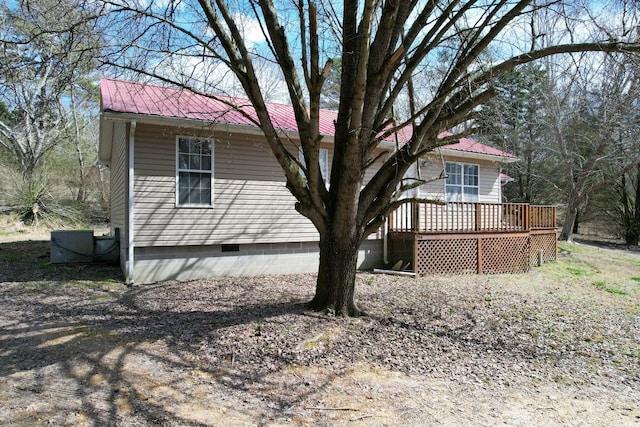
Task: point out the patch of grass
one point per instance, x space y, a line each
616 291
569 248
601 284
578 271
636 279
580 267
634 354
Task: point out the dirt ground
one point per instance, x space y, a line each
557 346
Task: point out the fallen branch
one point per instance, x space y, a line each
361 417
331 409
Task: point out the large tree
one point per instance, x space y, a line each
45 46
593 118
382 45
516 121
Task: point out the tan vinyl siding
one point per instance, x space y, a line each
431 167
490 190
118 175
488 179
250 204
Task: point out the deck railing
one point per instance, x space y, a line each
461 217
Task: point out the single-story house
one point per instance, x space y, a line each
196 191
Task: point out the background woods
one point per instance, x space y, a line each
48 113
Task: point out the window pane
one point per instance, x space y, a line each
205 196
183 145
183 161
194 146
194 198
183 188
183 180
470 194
471 175
205 181
454 194
454 172
194 180
206 163
184 197
194 162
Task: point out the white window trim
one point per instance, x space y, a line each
178 170
324 173
462 185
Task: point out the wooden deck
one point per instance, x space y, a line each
463 238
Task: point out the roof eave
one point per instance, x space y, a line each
110 116
175 121
479 156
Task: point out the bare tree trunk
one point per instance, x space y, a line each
569 220
336 276
632 235
81 164
104 191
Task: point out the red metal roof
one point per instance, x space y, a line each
472 146
140 98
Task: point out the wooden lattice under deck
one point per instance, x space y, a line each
447 256
545 242
482 253
505 254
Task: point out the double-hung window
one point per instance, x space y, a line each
194 174
462 182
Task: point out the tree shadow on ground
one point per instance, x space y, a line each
79 345
114 360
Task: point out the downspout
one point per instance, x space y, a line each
385 233
500 183
130 223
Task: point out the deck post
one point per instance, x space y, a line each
415 254
479 255
478 218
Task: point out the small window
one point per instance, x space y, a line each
323 159
462 182
194 176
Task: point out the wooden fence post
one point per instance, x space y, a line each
479 255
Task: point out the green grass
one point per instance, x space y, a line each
616 291
578 272
601 284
